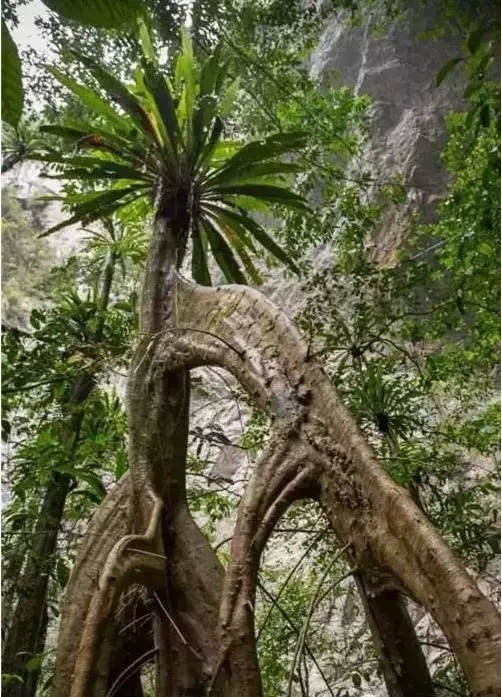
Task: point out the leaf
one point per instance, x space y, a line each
85 134
108 14
90 98
275 145
6 429
64 132
107 170
146 42
223 255
62 573
159 90
94 482
185 70
120 464
209 73
260 169
76 358
229 98
484 115
275 194
200 270
208 149
102 204
472 88
237 237
229 217
34 663
447 68
265 240
236 242
120 94
186 64
474 40
12 85
9 677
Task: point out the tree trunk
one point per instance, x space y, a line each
107 526
316 451
161 546
12 569
26 630
403 663
239 329
130 647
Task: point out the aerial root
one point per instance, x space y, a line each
133 559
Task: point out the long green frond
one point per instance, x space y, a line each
223 254
200 269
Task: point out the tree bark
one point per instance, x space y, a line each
23 639
403 663
317 451
366 509
161 546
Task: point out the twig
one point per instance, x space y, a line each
138 619
288 578
313 602
175 626
297 631
127 672
150 554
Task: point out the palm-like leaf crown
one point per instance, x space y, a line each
166 137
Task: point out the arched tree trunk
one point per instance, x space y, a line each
239 329
316 451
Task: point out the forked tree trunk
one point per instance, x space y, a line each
316 451
159 546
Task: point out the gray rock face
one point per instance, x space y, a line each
397 69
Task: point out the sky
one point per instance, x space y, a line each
27 34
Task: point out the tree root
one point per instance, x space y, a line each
108 525
366 509
281 476
317 451
133 559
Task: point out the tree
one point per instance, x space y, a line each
316 449
55 367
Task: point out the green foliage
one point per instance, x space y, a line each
49 431
109 14
17 143
465 282
12 85
166 145
413 350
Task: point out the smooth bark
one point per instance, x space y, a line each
366 509
317 451
402 661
